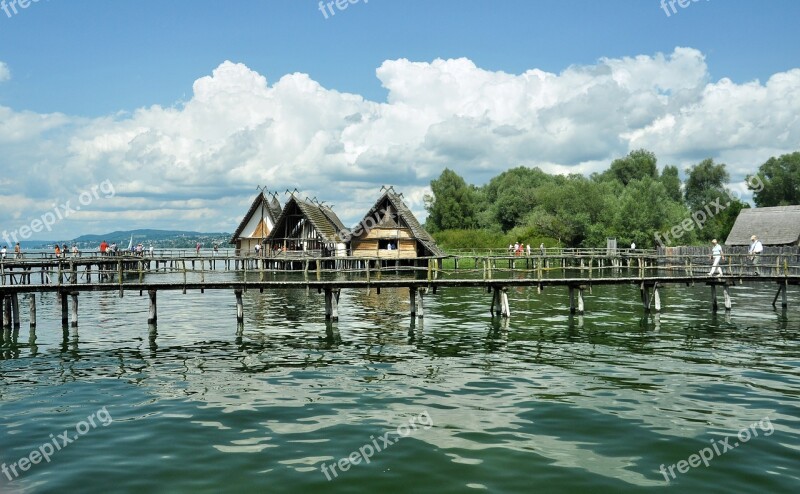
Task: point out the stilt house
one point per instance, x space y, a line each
257 223
390 231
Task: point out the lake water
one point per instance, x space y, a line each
457 402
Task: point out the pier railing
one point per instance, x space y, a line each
582 265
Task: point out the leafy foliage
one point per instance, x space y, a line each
630 201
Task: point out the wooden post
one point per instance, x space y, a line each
6 311
645 294
32 301
74 309
580 300
153 314
420 303
15 310
727 297
119 273
656 298
64 311
714 298
331 304
571 299
412 294
239 307
505 309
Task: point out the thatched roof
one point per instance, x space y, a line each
405 219
324 220
773 226
269 212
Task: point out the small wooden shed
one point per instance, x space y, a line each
257 223
390 230
774 226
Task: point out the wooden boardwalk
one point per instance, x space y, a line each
576 271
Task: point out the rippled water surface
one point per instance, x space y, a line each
543 402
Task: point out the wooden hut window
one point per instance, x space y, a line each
387 244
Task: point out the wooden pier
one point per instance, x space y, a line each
579 271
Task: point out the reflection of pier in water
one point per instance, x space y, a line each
578 271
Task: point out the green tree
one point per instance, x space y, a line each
672 183
706 181
777 182
453 203
512 194
645 208
635 166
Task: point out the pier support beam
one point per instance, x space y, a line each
152 317
505 309
239 306
331 304
714 305
74 309
781 292
6 311
421 302
32 302
727 297
576 297
64 309
15 310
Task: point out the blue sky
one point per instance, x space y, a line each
95 90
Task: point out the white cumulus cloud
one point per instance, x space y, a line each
196 166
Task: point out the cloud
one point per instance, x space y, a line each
5 72
195 166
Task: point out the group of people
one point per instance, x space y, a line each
17 251
63 250
112 249
519 249
753 255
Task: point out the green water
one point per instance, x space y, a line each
543 402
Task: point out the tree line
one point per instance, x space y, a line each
631 201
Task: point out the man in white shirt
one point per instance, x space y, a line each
756 248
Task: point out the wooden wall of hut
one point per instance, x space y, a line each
373 244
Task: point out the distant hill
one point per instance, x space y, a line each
158 238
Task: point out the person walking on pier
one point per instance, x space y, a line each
17 251
756 248
541 248
57 251
716 254
3 252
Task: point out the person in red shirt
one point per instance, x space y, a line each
103 247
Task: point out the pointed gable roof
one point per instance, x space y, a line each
324 220
778 225
406 219
268 214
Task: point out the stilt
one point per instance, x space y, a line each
331 304
644 292
727 297
420 303
32 302
6 311
64 311
412 296
572 299
714 306
580 300
74 309
656 298
15 310
505 309
153 315
239 307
